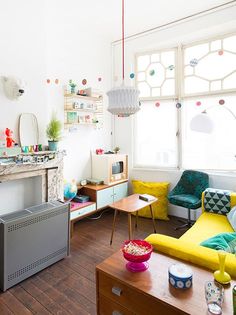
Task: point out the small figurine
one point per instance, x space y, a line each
72 86
9 140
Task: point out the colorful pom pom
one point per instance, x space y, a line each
84 81
220 52
178 105
48 81
132 75
221 102
198 103
193 62
157 104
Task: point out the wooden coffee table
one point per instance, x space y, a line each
129 205
120 291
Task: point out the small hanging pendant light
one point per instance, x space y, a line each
123 100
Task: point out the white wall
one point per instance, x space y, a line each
213 24
46 39
76 51
22 54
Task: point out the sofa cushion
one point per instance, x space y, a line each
217 201
185 200
155 189
232 217
206 226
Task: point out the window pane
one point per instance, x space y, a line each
214 150
155 135
213 66
157 73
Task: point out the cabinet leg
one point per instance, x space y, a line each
130 226
113 226
71 229
153 220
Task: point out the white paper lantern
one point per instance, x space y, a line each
123 101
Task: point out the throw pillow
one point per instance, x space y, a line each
159 190
222 241
232 217
217 201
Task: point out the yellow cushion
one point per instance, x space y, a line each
207 225
158 190
191 252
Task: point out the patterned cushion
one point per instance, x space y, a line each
217 201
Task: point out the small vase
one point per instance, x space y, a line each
221 275
53 145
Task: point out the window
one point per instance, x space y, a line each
156 140
170 101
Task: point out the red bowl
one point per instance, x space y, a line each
135 258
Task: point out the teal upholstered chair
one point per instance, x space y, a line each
188 192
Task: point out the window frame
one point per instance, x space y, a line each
180 97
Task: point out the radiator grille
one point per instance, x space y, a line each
35 264
35 220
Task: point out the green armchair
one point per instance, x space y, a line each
188 191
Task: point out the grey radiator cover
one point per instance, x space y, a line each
31 240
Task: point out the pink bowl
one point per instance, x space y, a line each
135 258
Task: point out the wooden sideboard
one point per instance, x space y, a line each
121 292
100 197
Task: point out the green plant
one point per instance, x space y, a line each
54 129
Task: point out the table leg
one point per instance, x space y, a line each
130 226
153 220
136 220
113 226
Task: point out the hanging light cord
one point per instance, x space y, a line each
123 40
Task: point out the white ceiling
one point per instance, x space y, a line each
105 15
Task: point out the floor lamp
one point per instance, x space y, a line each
203 123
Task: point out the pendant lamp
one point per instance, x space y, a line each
123 100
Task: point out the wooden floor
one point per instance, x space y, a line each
68 287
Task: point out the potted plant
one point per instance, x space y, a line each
53 131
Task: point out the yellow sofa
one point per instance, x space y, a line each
187 246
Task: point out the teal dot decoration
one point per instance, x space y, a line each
132 75
151 72
171 67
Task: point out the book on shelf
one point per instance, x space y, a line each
147 197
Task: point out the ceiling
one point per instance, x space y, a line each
141 15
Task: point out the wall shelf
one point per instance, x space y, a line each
82 110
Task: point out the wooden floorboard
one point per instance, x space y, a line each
68 287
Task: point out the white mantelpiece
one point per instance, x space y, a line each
51 173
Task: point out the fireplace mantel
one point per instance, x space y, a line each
50 171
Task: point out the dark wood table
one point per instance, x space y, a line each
120 291
129 205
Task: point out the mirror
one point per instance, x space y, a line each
28 129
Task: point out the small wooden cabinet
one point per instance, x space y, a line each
104 195
100 197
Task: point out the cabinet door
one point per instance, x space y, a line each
120 191
105 197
